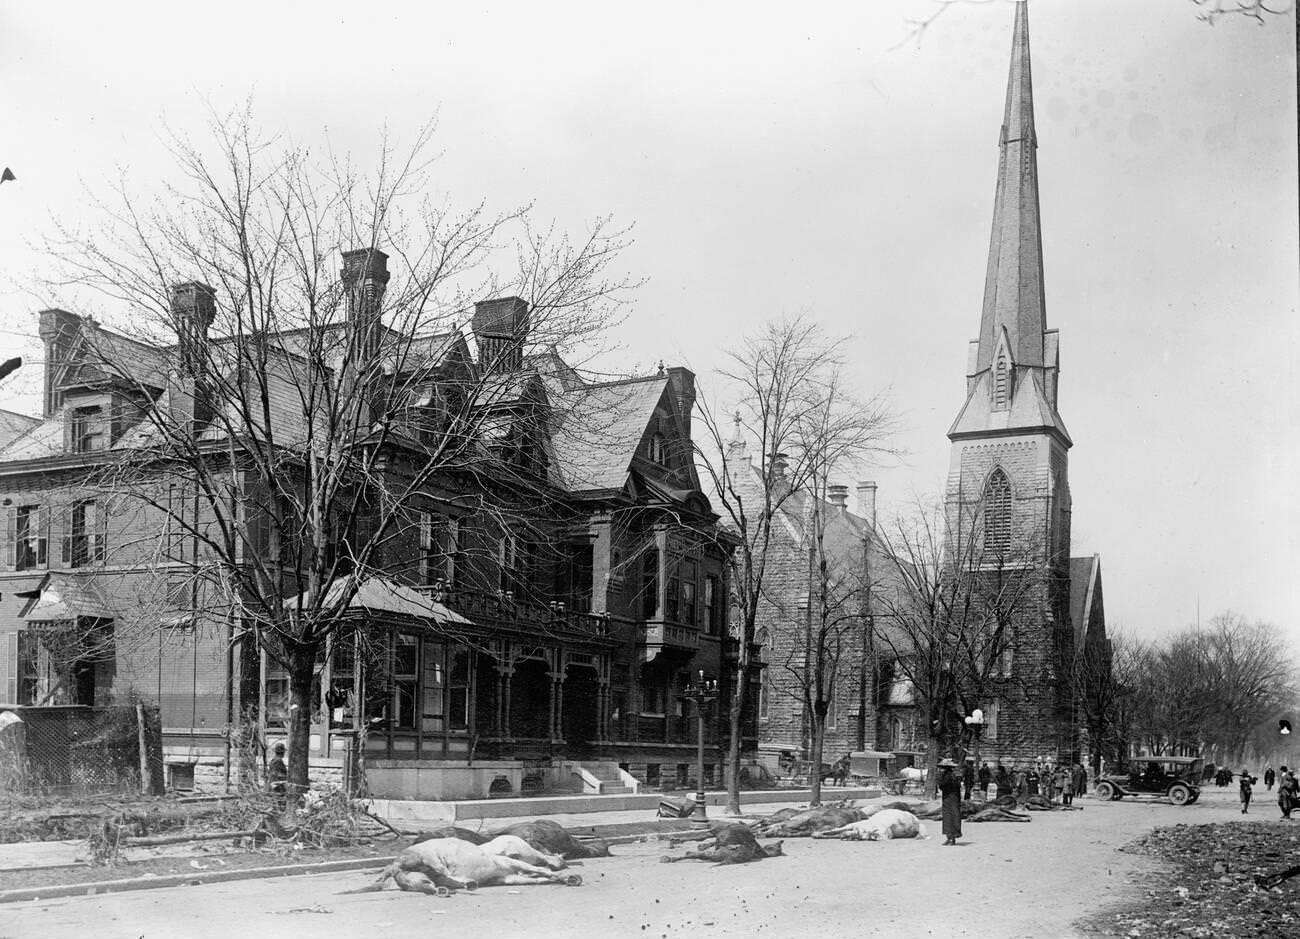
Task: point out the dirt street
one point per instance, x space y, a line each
1003 881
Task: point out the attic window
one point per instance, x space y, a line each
658 451
1001 384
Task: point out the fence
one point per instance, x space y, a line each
75 749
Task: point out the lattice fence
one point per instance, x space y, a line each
77 749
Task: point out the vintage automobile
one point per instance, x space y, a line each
1177 778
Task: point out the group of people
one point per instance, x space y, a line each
1040 779
1288 789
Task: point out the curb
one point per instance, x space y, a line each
192 879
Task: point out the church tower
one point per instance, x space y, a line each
1008 494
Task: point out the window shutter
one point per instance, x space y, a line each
11 667
453 548
11 535
426 533
42 536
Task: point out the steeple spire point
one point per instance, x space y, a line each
1013 286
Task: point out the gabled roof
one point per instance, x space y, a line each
1029 410
1085 595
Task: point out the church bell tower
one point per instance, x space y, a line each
1008 494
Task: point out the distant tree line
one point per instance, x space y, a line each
1218 690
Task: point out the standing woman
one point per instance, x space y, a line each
1284 793
950 790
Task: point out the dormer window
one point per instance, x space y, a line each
1001 384
658 451
88 430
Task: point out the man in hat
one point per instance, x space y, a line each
950 790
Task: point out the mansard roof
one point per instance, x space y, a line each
600 428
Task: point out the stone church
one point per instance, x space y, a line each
1008 487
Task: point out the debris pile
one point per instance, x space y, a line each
1222 883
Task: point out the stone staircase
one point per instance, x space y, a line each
611 783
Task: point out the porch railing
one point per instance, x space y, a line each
504 607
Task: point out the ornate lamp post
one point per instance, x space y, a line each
701 692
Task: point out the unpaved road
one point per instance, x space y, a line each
1003 881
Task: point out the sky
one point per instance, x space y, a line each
815 160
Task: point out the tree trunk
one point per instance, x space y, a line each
815 752
301 680
932 768
737 714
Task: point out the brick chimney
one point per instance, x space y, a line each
867 502
193 307
839 497
501 329
683 385
58 329
365 276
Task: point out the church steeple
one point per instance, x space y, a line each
1011 376
1013 285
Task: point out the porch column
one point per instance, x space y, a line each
507 675
498 682
602 711
557 706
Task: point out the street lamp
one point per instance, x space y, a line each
701 692
975 723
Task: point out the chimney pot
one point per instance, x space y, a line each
500 328
839 497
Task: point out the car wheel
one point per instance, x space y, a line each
1106 791
1180 795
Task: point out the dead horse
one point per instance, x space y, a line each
731 843
441 865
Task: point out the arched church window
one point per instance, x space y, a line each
1001 383
997 512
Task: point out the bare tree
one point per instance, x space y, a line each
287 425
790 401
953 619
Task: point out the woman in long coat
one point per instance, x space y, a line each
950 790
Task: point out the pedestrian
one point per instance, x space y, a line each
1269 778
1062 777
1022 785
1080 776
1284 792
967 778
950 790
1049 782
985 776
1067 786
1247 782
1032 778
277 776
1002 779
